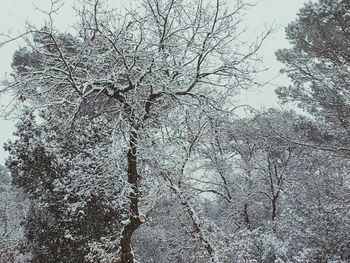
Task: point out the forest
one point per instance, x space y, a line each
129 147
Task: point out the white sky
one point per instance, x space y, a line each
14 14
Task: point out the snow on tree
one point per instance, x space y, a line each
132 73
318 63
62 220
13 209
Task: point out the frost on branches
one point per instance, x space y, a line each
108 95
319 65
129 149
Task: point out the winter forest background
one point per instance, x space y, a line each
131 146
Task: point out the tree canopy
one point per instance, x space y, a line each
129 149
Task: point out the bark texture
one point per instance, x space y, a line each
134 222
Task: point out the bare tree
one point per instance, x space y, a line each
134 66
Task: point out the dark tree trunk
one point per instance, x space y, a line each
274 207
126 255
246 220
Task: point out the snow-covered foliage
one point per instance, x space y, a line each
129 149
318 63
109 97
13 209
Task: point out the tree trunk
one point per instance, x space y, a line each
198 230
274 207
134 222
246 220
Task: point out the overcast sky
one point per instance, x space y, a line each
14 14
